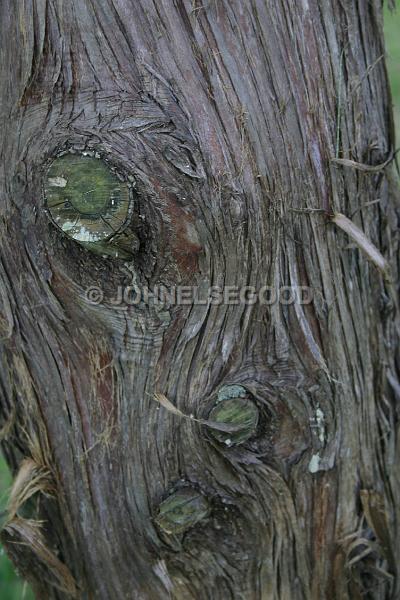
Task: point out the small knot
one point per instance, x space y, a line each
182 510
234 407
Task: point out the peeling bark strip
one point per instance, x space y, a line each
223 118
371 252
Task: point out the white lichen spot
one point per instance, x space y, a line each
320 422
80 233
314 464
85 235
68 225
57 182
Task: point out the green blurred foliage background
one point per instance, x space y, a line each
11 587
392 32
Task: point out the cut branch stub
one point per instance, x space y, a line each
90 204
182 510
235 407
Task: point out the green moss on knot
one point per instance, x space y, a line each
90 204
234 407
182 510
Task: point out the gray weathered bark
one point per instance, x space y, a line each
227 115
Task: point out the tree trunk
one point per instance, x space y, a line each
226 118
